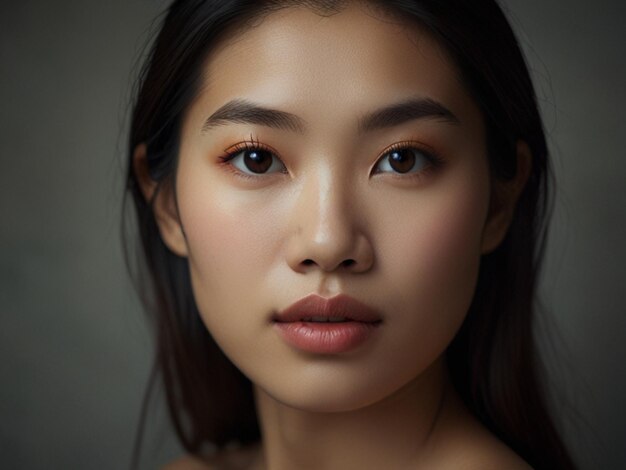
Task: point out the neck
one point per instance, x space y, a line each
392 433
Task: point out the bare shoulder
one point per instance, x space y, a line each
463 443
189 463
495 456
483 451
239 458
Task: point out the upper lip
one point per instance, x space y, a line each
341 305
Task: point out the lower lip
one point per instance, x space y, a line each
325 338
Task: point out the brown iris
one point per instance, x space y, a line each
401 160
258 160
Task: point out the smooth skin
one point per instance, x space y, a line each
329 213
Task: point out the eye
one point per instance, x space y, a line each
404 158
253 159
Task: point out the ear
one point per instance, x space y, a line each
504 197
161 199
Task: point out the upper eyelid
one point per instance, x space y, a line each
422 147
247 145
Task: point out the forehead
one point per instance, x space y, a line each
345 63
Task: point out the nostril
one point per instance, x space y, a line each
346 263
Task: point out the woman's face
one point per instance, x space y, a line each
403 195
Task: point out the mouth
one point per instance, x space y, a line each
326 337
326 326
321 319
339 309
326 319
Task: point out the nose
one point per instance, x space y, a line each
328 230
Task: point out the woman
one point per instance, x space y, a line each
342 208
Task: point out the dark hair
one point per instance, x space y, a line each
492 360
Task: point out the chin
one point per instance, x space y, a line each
330 402
331 394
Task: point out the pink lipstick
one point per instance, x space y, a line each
319 325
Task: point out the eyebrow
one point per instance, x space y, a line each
405 111
246 112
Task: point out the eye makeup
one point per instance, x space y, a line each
263 157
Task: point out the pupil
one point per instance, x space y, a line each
402 160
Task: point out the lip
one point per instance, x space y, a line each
341 305
361 323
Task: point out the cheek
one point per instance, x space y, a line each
434 257
230 243
446 243
225 240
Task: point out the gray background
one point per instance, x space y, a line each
75 350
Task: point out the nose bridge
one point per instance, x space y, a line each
328 198
327 232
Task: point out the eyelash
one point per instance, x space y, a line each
434 160
236 149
